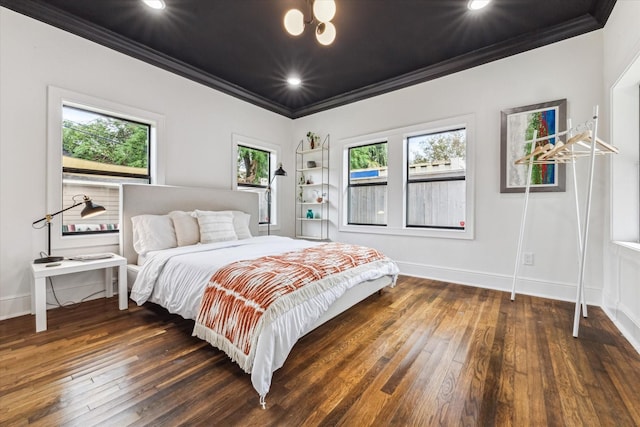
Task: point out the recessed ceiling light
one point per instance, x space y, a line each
294 81
477 4
155 4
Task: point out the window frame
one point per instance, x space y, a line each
397 171
408 180
274 160
70 170
370 184
624 221
248 187
56 98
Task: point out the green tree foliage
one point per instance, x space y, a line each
368 156
253 165
536 124
435 147
107 140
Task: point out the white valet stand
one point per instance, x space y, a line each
584 143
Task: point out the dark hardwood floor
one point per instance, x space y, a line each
423 353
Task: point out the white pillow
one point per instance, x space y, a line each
215 226
241 224
186 226
153 233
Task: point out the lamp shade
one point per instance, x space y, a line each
326 33
91 209
324 10
280 171
294 22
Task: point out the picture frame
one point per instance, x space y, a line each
517 125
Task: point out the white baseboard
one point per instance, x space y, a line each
501 282
15 306
20 305
622 316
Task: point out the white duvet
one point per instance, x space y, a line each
176 279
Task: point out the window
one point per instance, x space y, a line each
417 180
436 172
99 152
253 172
625 166
76 166
255 164
367 188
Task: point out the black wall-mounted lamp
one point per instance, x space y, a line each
90 210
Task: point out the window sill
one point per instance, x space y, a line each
629 245
84 241
629 250
414 232
263 228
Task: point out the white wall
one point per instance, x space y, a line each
199 124
571 69
621 294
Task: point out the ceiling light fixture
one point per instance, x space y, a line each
324 10
323 13
155 4
477 4
294 81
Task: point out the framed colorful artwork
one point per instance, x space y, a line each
517 127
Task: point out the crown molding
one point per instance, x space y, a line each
50 15
578 26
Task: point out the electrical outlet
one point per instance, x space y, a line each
527 258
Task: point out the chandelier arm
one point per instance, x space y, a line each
310 10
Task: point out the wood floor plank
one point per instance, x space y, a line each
423 353
512 356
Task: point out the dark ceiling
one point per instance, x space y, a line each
241 48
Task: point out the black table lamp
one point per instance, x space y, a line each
90 210
278 172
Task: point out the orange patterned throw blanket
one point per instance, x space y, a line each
242 296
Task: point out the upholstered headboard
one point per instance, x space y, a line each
138 199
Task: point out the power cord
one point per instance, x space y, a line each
68 303
55 296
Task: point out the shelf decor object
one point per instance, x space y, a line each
90 210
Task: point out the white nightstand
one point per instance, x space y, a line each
41 272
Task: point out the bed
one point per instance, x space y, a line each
185 277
